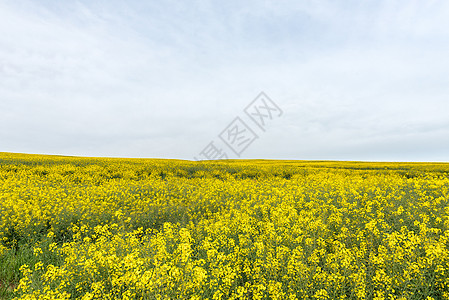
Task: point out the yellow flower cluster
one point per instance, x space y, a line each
168 229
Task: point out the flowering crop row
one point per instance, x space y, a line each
103 228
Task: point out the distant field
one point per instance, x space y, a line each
109 228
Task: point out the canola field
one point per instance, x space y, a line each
106 228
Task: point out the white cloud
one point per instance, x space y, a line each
162 79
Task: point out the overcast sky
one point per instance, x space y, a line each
355 80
